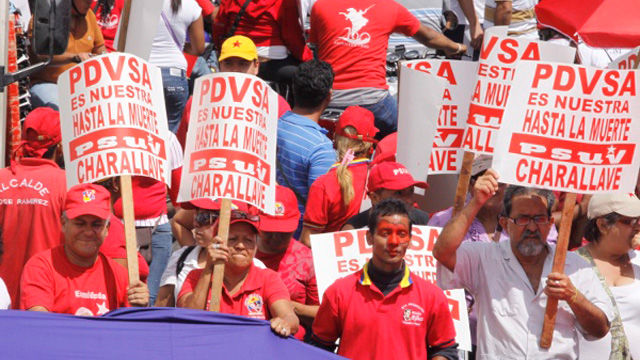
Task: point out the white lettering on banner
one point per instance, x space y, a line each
339 254
113 119
231 141
447 151
90 295
578 131
495 75
37 186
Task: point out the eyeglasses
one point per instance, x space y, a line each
630 221
524 220
206 218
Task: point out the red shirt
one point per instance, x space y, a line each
295 267
49 279
325 210
260 290
370 325
109 25
353 37
31 201
115 246
266 22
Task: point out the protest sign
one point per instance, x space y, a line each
446 152
419 103
629 60
113 119
231 142
498 58
571 128
136 37
338 254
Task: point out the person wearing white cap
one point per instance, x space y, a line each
614 220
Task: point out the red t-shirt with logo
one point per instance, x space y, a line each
400 325
295 267
261 288
325 210
109 25
31 202
353 37
49 279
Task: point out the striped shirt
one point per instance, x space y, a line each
304 153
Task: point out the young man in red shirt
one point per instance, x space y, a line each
384 311
75 278
280 252
32 192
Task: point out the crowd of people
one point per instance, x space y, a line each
63 250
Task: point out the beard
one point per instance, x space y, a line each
529 246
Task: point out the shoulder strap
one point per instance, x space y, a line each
167 24
182 258
236 21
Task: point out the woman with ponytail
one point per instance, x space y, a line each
337 195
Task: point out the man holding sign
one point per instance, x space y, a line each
508 278
384 301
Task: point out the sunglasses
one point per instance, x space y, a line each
206 218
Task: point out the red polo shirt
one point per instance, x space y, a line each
295 267
260 290
325 210
401 325
49 279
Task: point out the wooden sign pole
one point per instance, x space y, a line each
463 182
558 266
218 267
125 180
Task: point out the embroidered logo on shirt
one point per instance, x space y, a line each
412 314
356 17
254 306
88 195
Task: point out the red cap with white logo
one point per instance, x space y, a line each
287 214
391 176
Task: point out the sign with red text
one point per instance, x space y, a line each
419 103
231 142
571 128
447 151
338 254
113 119
627 61
496 68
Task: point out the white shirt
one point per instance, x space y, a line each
190 263
164 51
628 301
5 299
510 313
522 29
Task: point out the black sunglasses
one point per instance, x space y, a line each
205 218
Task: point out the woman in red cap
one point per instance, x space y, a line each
247 290
336 196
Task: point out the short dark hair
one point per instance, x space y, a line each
312 83
516 190
591 231
388 207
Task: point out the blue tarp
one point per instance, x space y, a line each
145 333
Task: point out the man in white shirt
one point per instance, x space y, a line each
508 278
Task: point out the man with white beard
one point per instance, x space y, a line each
511 280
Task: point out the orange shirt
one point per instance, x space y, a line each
85 38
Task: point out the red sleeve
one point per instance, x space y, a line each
440 330
312 290
327 327
207 7
291 31
176 176
283 106
181 134
315 213
190 283
314 26
274 289
406 22
122 282
37 284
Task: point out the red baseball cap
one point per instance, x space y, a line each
362 120
391 176
386 149
41 130
88 199
287 212
240 211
